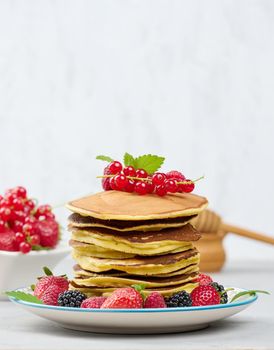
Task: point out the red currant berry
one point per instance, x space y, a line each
5 213
20 192
10 197
115 167
30 220
158 178
20 237
35 240
2 226
141 187
17 204
112 184
49 215
161 190
129 171
141 173
4 203
42 210
28 229
17 226
19 215
130 186
1 197
171 186
121 181
24 247
29 205
189 187
106 183
175 175
150 187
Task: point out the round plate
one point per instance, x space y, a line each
138 321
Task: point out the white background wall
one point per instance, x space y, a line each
191 80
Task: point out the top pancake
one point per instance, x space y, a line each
117 205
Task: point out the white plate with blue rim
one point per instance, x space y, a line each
139 321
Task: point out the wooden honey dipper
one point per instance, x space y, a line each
213 231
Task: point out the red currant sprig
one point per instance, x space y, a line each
129 179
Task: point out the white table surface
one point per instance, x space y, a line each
251 329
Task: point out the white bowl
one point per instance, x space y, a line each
17 269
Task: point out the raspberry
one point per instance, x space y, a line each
7 240
51 294
48 281
205 295
221 291
154 300
158 178
181 299
71 298
175 175
93 302
48 230
203 279
115 167
124 298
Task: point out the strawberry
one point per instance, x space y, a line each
124 298
205 295
7 240
45 282
154 300
203 279
93 302
48 230
51 294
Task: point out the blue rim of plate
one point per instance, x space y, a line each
250 300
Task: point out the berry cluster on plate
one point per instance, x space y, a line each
54 290
140 175
24 226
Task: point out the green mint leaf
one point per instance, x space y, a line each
105 158
24 297
150 163
248 292
129 160
47 271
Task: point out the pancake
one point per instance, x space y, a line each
97 252
117 205
147 243
129 280
79 221
79 272
165 291
140 265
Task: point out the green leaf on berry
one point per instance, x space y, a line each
248 292
24 297
129 160
150 163
105 158
47 271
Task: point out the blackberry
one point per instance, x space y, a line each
71 298
220 289
179 300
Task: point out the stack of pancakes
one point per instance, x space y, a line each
120 239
